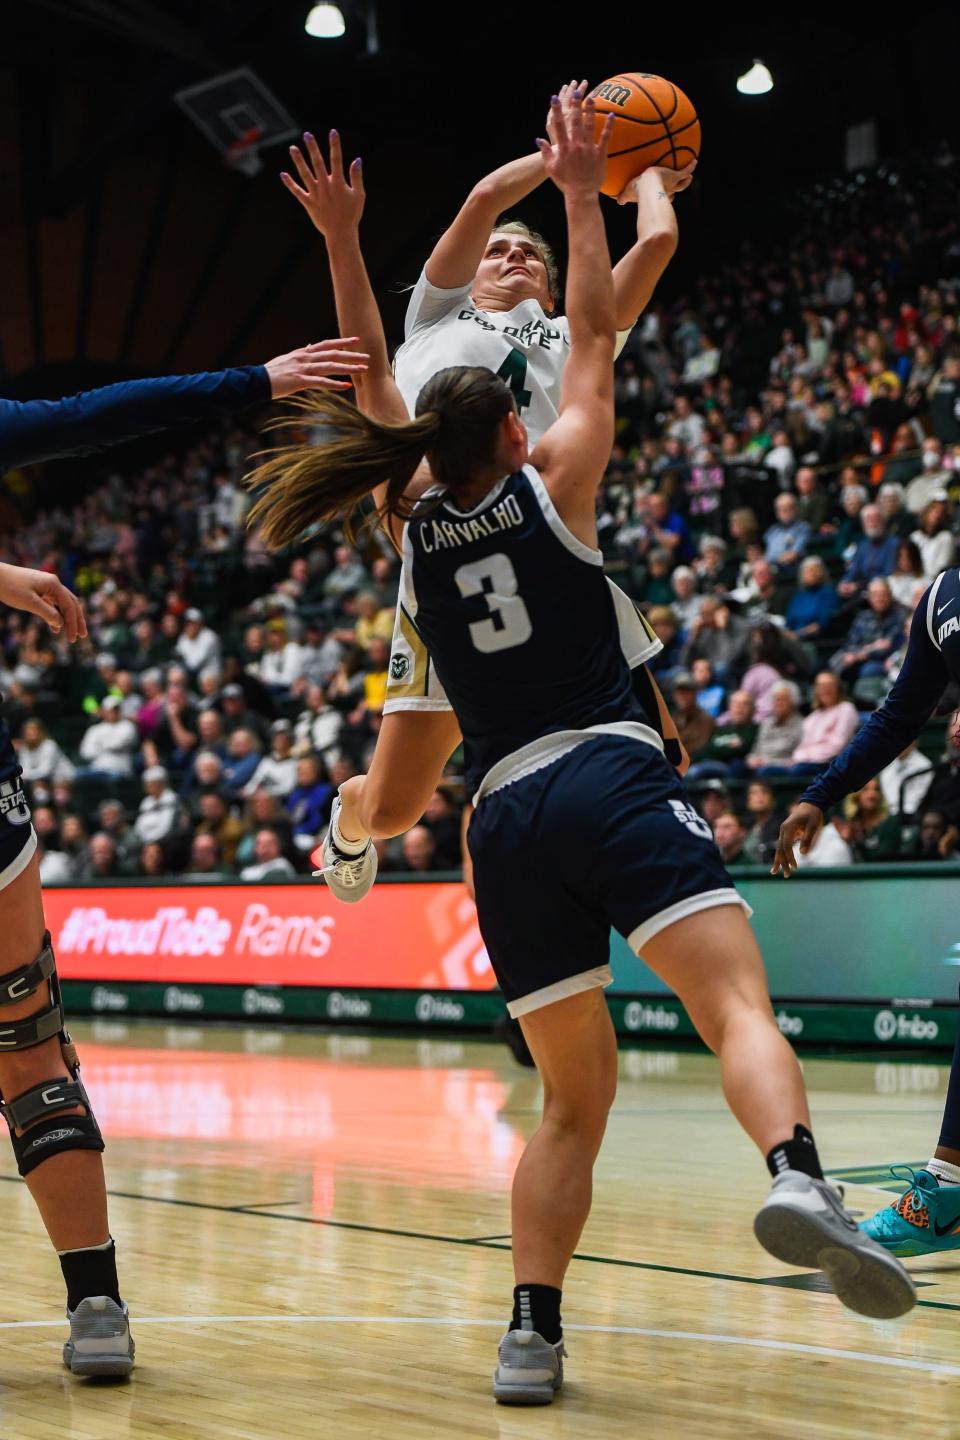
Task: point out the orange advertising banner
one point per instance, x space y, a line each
416 937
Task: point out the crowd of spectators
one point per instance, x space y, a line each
784 484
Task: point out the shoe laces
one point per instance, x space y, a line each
347 867
919 1192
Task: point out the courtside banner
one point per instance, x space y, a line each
409 937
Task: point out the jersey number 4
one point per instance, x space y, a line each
496 580
514 372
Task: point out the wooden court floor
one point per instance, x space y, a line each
313 1240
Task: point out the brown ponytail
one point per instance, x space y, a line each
459 411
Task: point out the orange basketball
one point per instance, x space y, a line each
655 125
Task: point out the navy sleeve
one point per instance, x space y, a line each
890 729
96 419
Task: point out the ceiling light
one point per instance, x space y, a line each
757 80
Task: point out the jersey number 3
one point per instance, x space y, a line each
496 580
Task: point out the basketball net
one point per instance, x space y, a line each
243 154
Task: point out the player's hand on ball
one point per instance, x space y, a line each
40 593
801 824
575 158
574 89
670 182
333 200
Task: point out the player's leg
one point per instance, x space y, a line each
710 959
55 1137
412 750
925 1218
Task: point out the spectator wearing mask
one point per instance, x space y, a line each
108 747
814 604
694 726
933 477
874 636
269 862
874 556
933 538
198 646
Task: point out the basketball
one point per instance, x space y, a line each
655 125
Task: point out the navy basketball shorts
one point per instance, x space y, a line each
604 837
18 839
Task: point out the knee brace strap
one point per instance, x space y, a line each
43 1100
53 1136
19 984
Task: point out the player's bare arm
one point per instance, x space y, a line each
457 254
635 277
574 452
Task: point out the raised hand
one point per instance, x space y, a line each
801 824
311 367
574 158
668 182
574 89
333 200
40 593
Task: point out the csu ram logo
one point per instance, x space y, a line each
616 94
399 667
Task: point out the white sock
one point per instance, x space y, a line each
346 847
946 1173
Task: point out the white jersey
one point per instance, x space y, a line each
525 346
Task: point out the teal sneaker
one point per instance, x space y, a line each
925 1220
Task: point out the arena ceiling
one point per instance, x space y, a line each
127 247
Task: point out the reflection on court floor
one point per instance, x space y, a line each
313 1234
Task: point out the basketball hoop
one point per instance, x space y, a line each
244 155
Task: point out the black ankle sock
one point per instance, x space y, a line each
537 1307
800 1153
90 1272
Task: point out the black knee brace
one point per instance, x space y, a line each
39 1111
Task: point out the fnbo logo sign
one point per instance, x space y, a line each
889 1026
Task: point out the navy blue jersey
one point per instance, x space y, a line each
518 619
83 424
931 661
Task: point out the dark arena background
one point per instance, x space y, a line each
313 1110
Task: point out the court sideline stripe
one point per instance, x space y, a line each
829 1352
456 1240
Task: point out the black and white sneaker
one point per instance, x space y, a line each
348 876
803 1222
